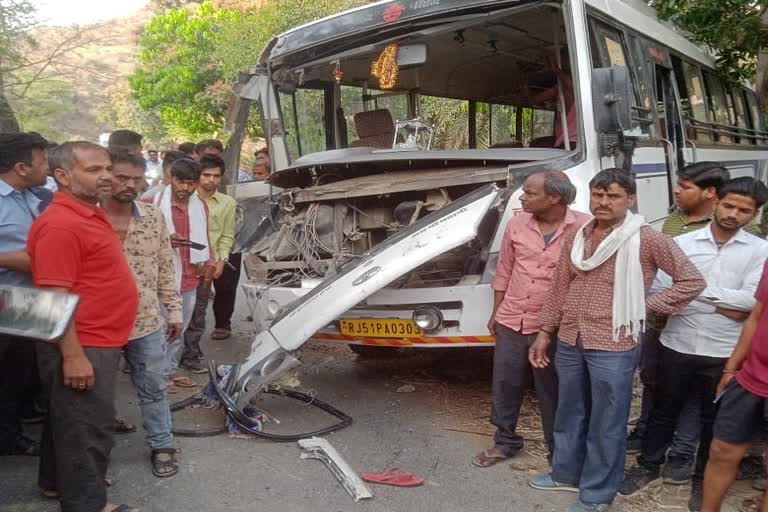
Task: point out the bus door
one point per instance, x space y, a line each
670 125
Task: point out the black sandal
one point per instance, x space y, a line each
159 465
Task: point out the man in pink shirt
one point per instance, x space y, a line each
530 250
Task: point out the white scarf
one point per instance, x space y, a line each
198 229
628 283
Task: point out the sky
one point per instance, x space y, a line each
83 12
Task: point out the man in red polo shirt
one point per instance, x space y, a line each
73 248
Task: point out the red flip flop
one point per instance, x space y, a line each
393 476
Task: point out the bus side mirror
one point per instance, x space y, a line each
611 99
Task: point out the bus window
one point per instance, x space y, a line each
612 52
754 114
738 112
355 100
450 118
507 126
718 106
691 90
502 126
303 121
542 124
642 84
396 103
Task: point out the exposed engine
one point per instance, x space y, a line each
314 240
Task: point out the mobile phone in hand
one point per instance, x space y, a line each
196 246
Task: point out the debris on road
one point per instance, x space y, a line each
321 449
406 388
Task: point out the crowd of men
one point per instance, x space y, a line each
580 301
144 262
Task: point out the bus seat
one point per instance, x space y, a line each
543 142
375 129
508 144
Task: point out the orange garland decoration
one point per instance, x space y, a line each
385 67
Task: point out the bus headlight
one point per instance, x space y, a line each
428 318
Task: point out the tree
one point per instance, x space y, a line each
41 69
122 110
736 29
189 57
16 19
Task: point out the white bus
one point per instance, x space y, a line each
377 116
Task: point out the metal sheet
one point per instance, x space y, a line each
34 313
437 233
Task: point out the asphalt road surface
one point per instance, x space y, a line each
426 412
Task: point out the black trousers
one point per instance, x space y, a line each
511 374
226 292
18 377
678 376
77 435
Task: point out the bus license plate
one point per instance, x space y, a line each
379 327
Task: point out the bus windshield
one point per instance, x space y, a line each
494 82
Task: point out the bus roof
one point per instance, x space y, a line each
379 17
642 18
385 17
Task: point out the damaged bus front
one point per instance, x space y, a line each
379 116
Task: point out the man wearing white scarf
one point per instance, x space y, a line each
596 309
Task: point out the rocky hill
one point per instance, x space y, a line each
104 57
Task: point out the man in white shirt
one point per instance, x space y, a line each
154 168
697 342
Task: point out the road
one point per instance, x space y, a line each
426 412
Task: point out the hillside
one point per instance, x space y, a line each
82 78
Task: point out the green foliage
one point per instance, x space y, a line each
123 111
733 28
189 58
17 17
176 70
43 105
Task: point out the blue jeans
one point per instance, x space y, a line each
146 357
172 347
595 395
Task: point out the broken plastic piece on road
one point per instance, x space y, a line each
317 448
395 477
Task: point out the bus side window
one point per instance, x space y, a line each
738 113
303 121
691 88
756 119
643 87
612 51
719 107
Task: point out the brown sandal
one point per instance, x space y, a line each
488 458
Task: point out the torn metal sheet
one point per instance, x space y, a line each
34 313
321 449
435 234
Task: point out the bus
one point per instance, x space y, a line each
378 116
